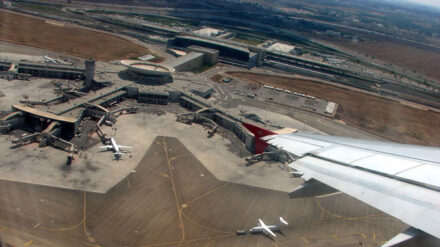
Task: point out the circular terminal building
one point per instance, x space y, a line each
149 72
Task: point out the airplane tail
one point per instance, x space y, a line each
260 145
283 221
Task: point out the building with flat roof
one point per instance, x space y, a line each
190 61
210 55
228 53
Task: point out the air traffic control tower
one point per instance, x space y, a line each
89 72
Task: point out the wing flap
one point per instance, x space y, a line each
414 205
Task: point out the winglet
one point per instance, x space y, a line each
258 132
400 238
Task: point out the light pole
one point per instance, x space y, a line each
1 102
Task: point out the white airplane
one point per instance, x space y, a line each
116 148
267 229
400 180
49 59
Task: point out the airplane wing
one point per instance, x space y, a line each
400 180
107 146
124 146
266 229
283 221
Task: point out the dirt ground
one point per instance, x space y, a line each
75 41
170 199
379 116
423 61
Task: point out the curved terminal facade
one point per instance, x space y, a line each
148 68
149 72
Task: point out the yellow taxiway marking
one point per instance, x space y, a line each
207 193
331 194
305 240
173 185
334 237
28 243
374 236
343 217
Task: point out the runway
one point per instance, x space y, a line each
170 199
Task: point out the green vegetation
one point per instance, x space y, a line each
248 39
52 9
169 21
161 20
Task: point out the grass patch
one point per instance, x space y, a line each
162 20
53 9
252 40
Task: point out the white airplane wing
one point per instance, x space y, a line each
400 180
266 229
107 146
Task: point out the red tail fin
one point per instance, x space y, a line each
258 132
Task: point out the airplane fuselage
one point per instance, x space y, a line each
115 146
259 229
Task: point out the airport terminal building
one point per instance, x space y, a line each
228 53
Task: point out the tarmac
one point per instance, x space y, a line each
173 200
186 190
96 170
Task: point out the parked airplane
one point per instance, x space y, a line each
115 148
263 228
48 59
400 180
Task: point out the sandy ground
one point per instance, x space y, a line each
75 41
379 116
422 61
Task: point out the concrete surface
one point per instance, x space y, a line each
172 200
96 170
15 90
